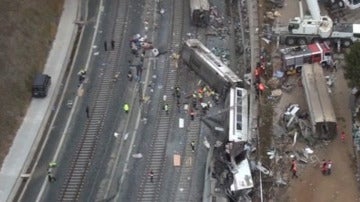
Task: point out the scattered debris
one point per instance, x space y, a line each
137 156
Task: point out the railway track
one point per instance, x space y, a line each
82 158
151 191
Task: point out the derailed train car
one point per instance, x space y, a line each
200 12
322 115
209 67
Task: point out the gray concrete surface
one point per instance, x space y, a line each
33 125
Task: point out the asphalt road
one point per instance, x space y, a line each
123 91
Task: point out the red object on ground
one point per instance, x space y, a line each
343 136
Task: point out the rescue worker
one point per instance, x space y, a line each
204 107
81 75
324 167
261 88
126 108
200 97
257 74
194 103
105 45
178 107
166 108
342 136
194 95
52 164
87 112
192 144
192 114
151 174
112 44
329 166
293 169
177 92
51 177
129 75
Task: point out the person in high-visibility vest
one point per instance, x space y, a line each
261 87
166 108
126 108
52 164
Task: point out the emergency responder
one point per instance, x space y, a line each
129 75
293 169
126 108
51 177
192 144
257 74
151 174
81 75
192 114
166 108
52 164
177 92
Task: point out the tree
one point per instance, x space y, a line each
352 67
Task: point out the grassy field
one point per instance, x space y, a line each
27 29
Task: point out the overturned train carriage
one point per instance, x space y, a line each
209 67
200 12
322 114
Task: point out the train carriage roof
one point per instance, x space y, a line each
199 5
317 96
213 61
238 115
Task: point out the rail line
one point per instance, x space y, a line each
151 191
72 187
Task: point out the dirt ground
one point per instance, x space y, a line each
311 185
27 29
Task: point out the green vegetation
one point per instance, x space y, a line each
27 28
352 68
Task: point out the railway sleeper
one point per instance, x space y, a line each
83 158
88 145
157 157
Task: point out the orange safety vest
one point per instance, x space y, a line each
256 72
261 87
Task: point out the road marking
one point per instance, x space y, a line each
64 135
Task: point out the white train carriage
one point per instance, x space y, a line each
200 12
209 67
238 115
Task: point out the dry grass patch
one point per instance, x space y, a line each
27 28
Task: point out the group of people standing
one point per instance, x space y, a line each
325 167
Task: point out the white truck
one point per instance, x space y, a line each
316 28
351 4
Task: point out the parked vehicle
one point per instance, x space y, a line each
296 57
316 28
41 85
